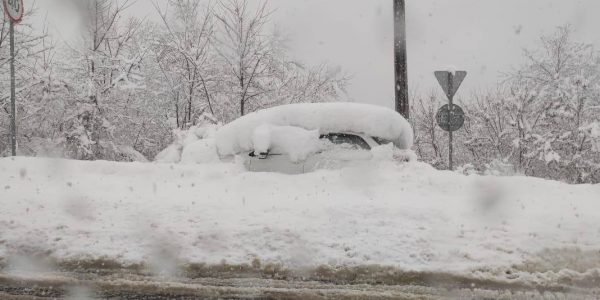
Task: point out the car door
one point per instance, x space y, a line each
344 149
272 162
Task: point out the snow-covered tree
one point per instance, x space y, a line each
246 50
542 121
129 84
430 143
256 71
552 102
104 74
34 85
185 59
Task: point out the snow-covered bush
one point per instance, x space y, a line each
498 167
592 131
467 169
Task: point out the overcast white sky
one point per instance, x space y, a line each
483 37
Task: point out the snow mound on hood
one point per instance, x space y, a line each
377 121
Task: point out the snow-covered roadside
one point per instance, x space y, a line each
403 215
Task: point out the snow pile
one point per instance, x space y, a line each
409 216
195 145
296 142
127 153
200 152
383 152
376 121
171 154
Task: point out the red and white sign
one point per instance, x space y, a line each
14 10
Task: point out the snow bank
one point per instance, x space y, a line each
377 121
409 216
171 154
40 147
58 148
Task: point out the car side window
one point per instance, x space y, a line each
381 141
344 138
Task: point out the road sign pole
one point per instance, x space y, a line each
13 9
400 60
450 117
13 108
450 99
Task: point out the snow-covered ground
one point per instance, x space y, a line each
405 215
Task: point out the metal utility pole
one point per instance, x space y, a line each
13 9
13 108
400 61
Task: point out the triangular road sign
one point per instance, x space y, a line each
450 82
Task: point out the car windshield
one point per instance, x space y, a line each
348 139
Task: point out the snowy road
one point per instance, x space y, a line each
118 285
372 223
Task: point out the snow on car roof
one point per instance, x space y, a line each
371 120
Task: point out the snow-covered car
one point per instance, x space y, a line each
300 138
